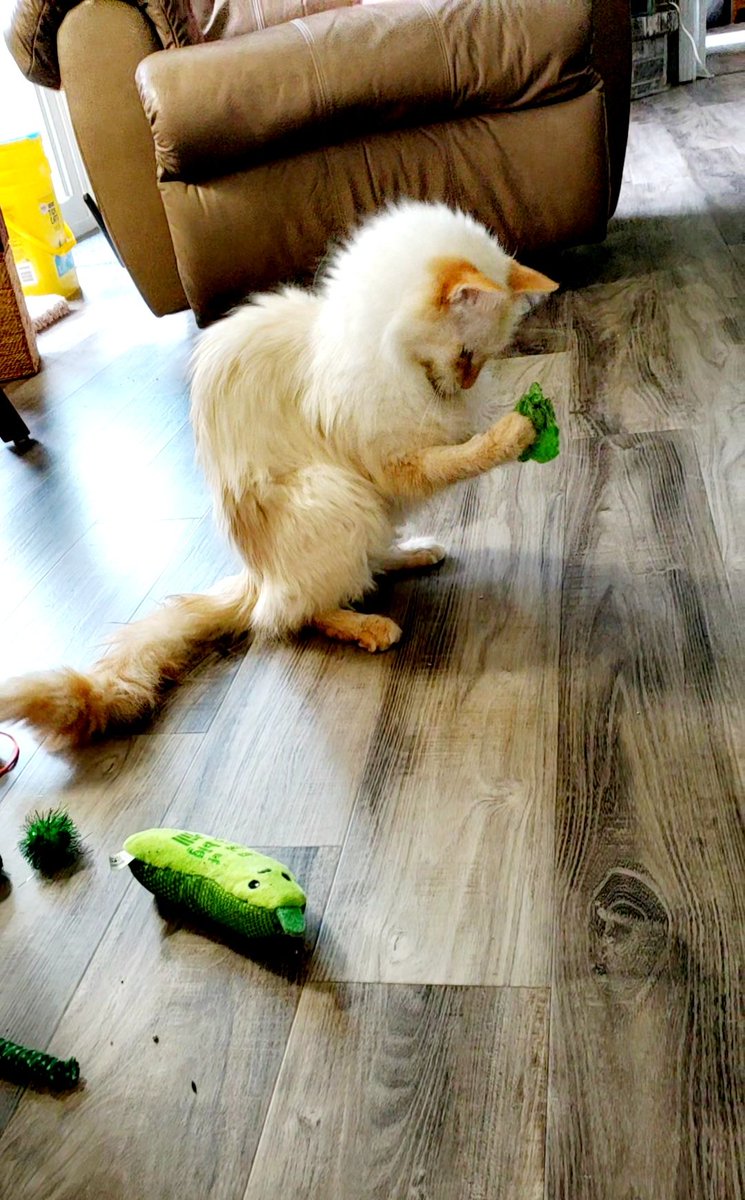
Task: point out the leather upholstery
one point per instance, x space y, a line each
111 38
349 71
248 230
260 138
230 18
34 25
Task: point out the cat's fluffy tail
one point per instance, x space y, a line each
127 682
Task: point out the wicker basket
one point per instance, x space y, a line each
19 355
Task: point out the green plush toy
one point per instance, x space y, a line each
250 893
539 409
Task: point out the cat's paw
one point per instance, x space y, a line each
368 630
511 436
378 633
413 555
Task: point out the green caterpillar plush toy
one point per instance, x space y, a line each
539 409
237 887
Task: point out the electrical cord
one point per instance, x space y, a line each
15 753
706 72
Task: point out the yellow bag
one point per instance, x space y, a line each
41 241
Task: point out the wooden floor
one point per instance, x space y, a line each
521 831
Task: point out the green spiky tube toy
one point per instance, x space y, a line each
34 1068
539 409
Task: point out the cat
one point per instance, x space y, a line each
319 415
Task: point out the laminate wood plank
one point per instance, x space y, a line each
65 618
98 583
647 354
647 1038
221 1011
664 106
445 875
102 427
711 138
206 558
724 66
653 154
50 929
73 494
81 346
393 1091
721 449
663 220
703 127
286 747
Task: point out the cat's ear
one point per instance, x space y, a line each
525 279
484 297
461 285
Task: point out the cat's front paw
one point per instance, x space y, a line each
511 437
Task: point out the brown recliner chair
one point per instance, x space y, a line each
227 142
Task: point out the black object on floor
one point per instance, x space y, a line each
97 215
12 426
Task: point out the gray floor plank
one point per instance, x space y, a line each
445 873
50 929
180 1118
397 1091
647 1037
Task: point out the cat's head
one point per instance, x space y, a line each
465 318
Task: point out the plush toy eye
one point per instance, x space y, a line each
254 883
285 876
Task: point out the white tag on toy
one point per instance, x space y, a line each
122 859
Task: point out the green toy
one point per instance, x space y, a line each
34 1068
539 409
250 893
50 841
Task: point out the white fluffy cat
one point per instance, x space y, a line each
318 415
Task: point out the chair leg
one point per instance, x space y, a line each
12 426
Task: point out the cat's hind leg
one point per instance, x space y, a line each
411 555
370 631
312 547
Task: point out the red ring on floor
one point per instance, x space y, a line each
15 754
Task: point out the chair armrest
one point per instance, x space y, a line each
340 73
100 43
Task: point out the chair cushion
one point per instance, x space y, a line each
216 107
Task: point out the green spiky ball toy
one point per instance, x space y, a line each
539 409
50 841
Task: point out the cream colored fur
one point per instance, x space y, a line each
317 415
